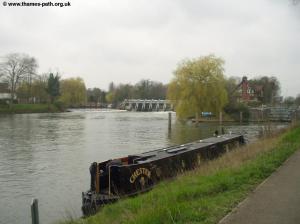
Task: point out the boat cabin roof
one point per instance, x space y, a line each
150 156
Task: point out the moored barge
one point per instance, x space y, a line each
138 173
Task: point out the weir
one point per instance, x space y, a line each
146 105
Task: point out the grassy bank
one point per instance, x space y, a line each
207 194
28 108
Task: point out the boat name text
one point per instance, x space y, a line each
138 172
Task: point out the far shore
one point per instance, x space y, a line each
29 108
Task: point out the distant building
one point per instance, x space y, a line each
248 91
4 91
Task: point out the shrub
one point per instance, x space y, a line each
234 111
60 105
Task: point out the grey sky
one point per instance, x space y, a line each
128 40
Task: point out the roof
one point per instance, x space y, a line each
173 150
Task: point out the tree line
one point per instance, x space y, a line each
25 85
198 85
144 89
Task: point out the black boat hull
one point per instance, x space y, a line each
134 174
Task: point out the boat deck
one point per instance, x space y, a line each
150 156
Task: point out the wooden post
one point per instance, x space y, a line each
170 120
241 116
220 118
262 113
35 211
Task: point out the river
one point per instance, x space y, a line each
47 156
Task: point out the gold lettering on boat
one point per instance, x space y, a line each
138 172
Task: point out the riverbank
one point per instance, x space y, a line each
28 108
275 201
207 194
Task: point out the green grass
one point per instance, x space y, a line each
207 194
28 108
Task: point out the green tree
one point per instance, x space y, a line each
270 87
110 97
232 92
122 92
144 89
34 91
147 89
111 94
198 86
289 101
96 95
297 100
39 89
93 95
119 93
53 88
23 92
73 92
111 87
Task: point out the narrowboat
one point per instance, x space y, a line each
134 174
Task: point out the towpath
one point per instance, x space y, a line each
275 201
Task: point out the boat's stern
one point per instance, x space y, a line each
87 203
91 201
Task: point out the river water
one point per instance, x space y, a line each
47 156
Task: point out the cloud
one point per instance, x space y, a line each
125 41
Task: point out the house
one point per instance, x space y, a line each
4 91
249 91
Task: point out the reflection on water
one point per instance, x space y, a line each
47 155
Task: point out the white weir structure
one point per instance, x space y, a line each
146 105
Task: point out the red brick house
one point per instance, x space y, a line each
248 91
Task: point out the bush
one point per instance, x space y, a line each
3 102
234 111
60 105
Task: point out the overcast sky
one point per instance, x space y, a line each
128 40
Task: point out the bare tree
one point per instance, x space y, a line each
14 68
